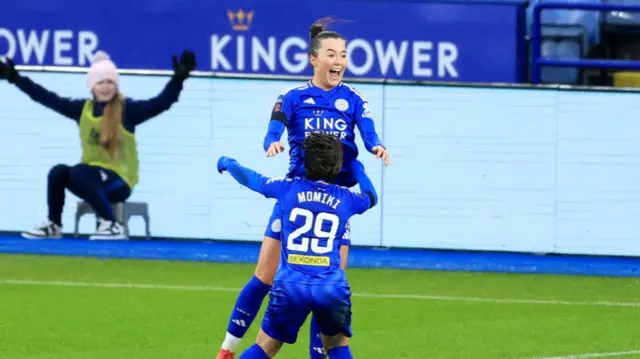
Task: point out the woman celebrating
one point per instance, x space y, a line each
324 104
108 170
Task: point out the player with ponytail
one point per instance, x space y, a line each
324 104
108 170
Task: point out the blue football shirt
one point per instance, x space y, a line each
339 111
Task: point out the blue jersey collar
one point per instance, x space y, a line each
317 90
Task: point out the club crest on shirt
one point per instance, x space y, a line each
341 104
276 226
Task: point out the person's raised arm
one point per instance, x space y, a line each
71 108
139 111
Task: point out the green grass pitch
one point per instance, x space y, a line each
87 308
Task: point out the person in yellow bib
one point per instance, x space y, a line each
108 170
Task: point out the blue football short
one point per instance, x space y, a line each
291 303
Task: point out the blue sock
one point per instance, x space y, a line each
247 307
340 353
254 352
316 350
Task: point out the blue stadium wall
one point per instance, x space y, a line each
474 167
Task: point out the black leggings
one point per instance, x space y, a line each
97 186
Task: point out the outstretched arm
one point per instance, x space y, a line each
71 108
141 111
268 187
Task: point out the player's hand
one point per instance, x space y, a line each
274 149
222 163
182 67
381 152
8 71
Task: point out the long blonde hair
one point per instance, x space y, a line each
111 134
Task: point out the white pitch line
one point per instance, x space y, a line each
593 355
365 295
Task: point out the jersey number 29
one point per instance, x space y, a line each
316 224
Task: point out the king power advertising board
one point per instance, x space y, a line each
463 42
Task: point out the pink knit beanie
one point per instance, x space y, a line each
102 68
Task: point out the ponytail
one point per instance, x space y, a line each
111 134
318 32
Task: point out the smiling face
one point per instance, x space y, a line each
104 90
330 62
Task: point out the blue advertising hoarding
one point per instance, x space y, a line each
450 41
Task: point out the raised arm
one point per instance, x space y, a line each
71 108
139 111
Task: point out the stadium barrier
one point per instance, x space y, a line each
537 61
474 167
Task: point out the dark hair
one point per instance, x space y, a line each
323 156
318 33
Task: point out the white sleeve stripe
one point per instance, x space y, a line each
301 87
356 92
